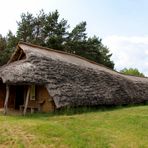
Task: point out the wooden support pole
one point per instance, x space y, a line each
6 100
27 99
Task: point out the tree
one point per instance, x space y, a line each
5 55
3 43
44 29
12 40
49 31
55 31
90 48
132 71
39 29
25 27
7 46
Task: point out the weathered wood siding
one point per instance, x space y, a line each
44 99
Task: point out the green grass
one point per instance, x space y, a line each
90 128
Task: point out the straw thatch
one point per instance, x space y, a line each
71 80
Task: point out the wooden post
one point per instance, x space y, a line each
6 100
21 52
27 99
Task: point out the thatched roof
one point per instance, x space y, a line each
72 80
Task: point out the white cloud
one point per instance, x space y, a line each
129 52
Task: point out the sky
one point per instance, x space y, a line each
121 24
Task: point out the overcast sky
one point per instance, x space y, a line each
122 24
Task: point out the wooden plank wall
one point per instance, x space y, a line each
45 100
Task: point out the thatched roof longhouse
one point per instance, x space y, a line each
72 80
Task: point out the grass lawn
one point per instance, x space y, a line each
113 128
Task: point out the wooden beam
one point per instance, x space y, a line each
6 100
21 52
26 102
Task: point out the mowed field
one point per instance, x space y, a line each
93 128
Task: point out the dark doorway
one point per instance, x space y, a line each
19 100
2 94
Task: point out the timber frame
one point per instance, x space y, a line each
42 102
7 98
